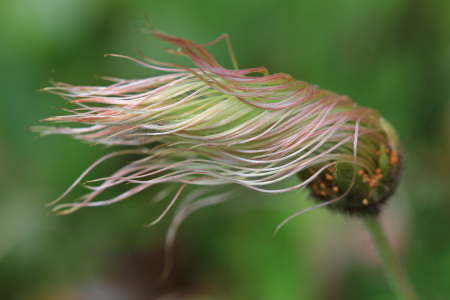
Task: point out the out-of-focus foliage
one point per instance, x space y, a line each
393 56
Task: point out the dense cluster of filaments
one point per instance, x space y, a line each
211 126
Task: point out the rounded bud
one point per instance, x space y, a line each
360 190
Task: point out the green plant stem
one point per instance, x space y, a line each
394 272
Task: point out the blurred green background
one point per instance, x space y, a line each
391 55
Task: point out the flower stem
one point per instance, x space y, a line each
394 272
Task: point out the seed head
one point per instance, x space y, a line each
210 126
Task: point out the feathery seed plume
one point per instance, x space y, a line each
211 126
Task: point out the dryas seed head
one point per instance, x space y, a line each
212 126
